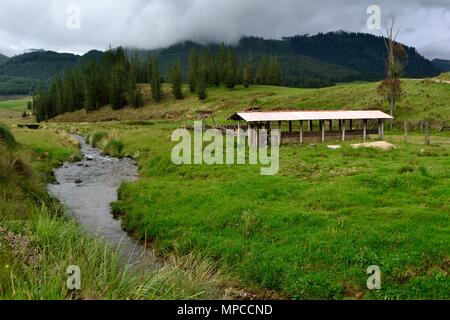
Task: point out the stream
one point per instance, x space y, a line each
88 187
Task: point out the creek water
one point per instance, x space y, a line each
88 187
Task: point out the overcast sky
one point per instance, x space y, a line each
26 24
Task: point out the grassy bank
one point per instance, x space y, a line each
38 242
312 230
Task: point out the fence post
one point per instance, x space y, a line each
405 129
427 133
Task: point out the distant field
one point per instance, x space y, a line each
423 99
13 108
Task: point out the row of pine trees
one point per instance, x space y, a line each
114 79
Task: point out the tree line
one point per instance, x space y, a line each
113 80
212 69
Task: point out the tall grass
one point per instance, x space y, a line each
96 137
36 253
113 148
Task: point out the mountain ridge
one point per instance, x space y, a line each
442 64
317 60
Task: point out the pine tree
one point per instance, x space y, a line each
156 82
201 84
247 72
230 70
91 86
119 80
262 70
176 79
135 98
274 71
193 70
221 63
59 107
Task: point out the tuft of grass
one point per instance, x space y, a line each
35 255
96 138
113 148
6 137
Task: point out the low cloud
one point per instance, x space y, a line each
26 24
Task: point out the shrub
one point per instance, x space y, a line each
113 148
6 137
95 138
406 169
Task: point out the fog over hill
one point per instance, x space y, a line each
308 61
153 24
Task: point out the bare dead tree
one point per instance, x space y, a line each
390 88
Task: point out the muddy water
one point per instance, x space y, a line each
87 188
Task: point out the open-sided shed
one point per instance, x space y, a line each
342 124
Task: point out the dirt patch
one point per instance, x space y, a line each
20 245
383 145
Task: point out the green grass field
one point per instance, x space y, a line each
312 230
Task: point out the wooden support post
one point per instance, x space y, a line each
331 125
379 129
310 125
257 135
342 127
301 132
382 130
268 132
238 133
290 126
351 124
364 129
427 133
323 130
250 133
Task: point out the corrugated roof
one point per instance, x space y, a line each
310 115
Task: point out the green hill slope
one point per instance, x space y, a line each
443 65
422 99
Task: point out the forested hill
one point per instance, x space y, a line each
3 59
43 65
319 60
308 61
23 73
443 65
